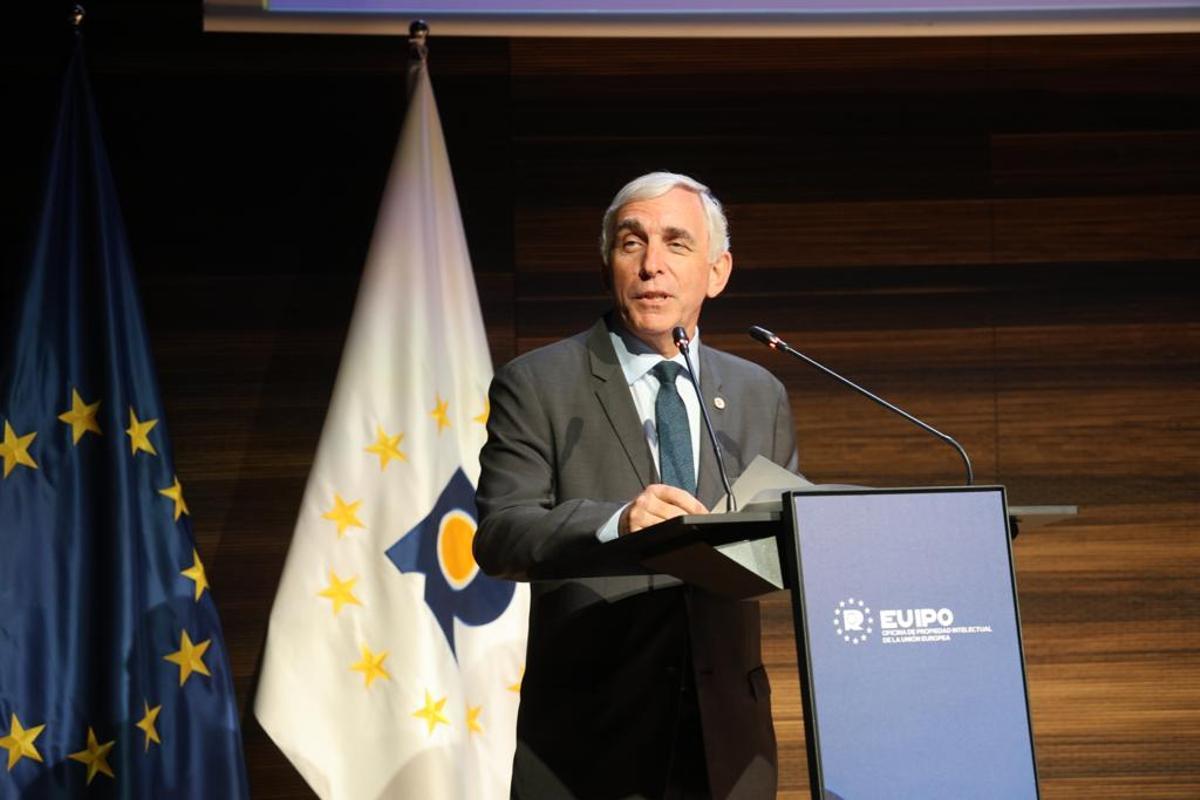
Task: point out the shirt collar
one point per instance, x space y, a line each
637 358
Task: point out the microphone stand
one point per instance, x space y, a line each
775 343
681 341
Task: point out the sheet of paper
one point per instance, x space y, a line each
759 488
761 484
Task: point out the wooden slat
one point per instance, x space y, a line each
1105 162
1129 65
1043 230
789 236
1112 228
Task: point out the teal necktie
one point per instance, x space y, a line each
675 464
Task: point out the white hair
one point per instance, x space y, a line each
656 184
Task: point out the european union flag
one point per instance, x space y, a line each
114 679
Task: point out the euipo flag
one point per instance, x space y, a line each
114 679
393 665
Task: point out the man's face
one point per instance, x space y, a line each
659 266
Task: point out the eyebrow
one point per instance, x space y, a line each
669 233
632 226
677 234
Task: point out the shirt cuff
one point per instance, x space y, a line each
611 530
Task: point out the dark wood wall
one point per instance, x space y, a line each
998 234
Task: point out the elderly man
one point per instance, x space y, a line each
634 686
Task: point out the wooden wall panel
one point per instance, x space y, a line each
999 234
1026 291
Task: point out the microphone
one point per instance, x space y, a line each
681 341
775 343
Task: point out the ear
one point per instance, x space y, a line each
718 274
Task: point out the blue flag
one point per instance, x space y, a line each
114 677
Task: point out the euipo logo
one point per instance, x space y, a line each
923 626
853 621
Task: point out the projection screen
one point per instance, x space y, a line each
710 18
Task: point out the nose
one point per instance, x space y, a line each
652 260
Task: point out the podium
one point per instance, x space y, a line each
907 628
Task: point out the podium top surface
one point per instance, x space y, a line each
626 554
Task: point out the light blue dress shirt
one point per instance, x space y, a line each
637 359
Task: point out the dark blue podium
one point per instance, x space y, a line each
907 629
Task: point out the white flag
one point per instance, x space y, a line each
393 665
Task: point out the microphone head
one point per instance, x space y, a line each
765 336
680 336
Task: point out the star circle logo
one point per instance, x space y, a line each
853 621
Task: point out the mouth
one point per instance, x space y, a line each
652 297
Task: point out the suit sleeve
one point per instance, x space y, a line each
523 530
785 432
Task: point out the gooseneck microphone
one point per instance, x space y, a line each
775 343
681 341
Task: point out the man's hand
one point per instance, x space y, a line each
656 503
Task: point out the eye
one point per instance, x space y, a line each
630 244
680 246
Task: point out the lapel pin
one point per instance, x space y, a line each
719 402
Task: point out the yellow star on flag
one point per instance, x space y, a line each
175 492
95 756
371 666
516 687
189 657
473 719
15 449
139 434
340 592
344 514
19 742
439 413
147 724
196 573
432 712
482 418
386 447
81 417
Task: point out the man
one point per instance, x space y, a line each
634 686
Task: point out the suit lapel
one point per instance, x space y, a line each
613 393
708 486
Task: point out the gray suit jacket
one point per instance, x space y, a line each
601 692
